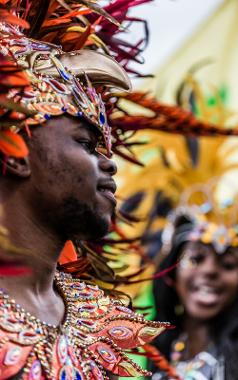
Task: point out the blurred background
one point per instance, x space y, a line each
193 58
172 23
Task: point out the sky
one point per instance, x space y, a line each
170 23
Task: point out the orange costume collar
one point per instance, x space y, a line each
85 347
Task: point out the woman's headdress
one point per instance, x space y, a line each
176 178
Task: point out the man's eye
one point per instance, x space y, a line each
89 146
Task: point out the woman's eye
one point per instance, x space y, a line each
190 261
198 259
229 265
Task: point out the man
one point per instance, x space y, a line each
51 325
64 190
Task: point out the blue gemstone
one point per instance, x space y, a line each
64 75
63 375
102 118
47 117
77 376
64 109
80 114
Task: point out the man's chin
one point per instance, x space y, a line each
94 229
92 235
79 221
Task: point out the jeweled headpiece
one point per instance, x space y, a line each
53 82
55 67
208 222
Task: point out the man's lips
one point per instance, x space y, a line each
107 188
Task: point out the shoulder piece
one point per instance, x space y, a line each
89 343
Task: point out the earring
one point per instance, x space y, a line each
179 309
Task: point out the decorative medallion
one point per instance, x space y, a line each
120 332
12 356
106 354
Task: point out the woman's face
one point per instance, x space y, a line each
206 282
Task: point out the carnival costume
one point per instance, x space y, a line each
41 79
44 72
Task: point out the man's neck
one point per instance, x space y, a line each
40 247
35 292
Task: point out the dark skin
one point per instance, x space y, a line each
207 285
52 196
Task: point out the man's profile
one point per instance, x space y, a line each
54 326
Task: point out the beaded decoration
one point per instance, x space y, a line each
201 217
58 81
51 95
89 342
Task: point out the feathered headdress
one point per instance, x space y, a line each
51 62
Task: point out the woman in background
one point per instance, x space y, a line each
200 297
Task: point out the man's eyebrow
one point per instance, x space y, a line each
81 128
85 131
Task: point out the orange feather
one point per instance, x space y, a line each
11 144
68 253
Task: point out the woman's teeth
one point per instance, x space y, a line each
206 295
207 290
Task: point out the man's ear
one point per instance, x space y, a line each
19 167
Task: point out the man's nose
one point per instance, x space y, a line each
107 164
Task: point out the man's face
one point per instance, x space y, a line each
71 187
